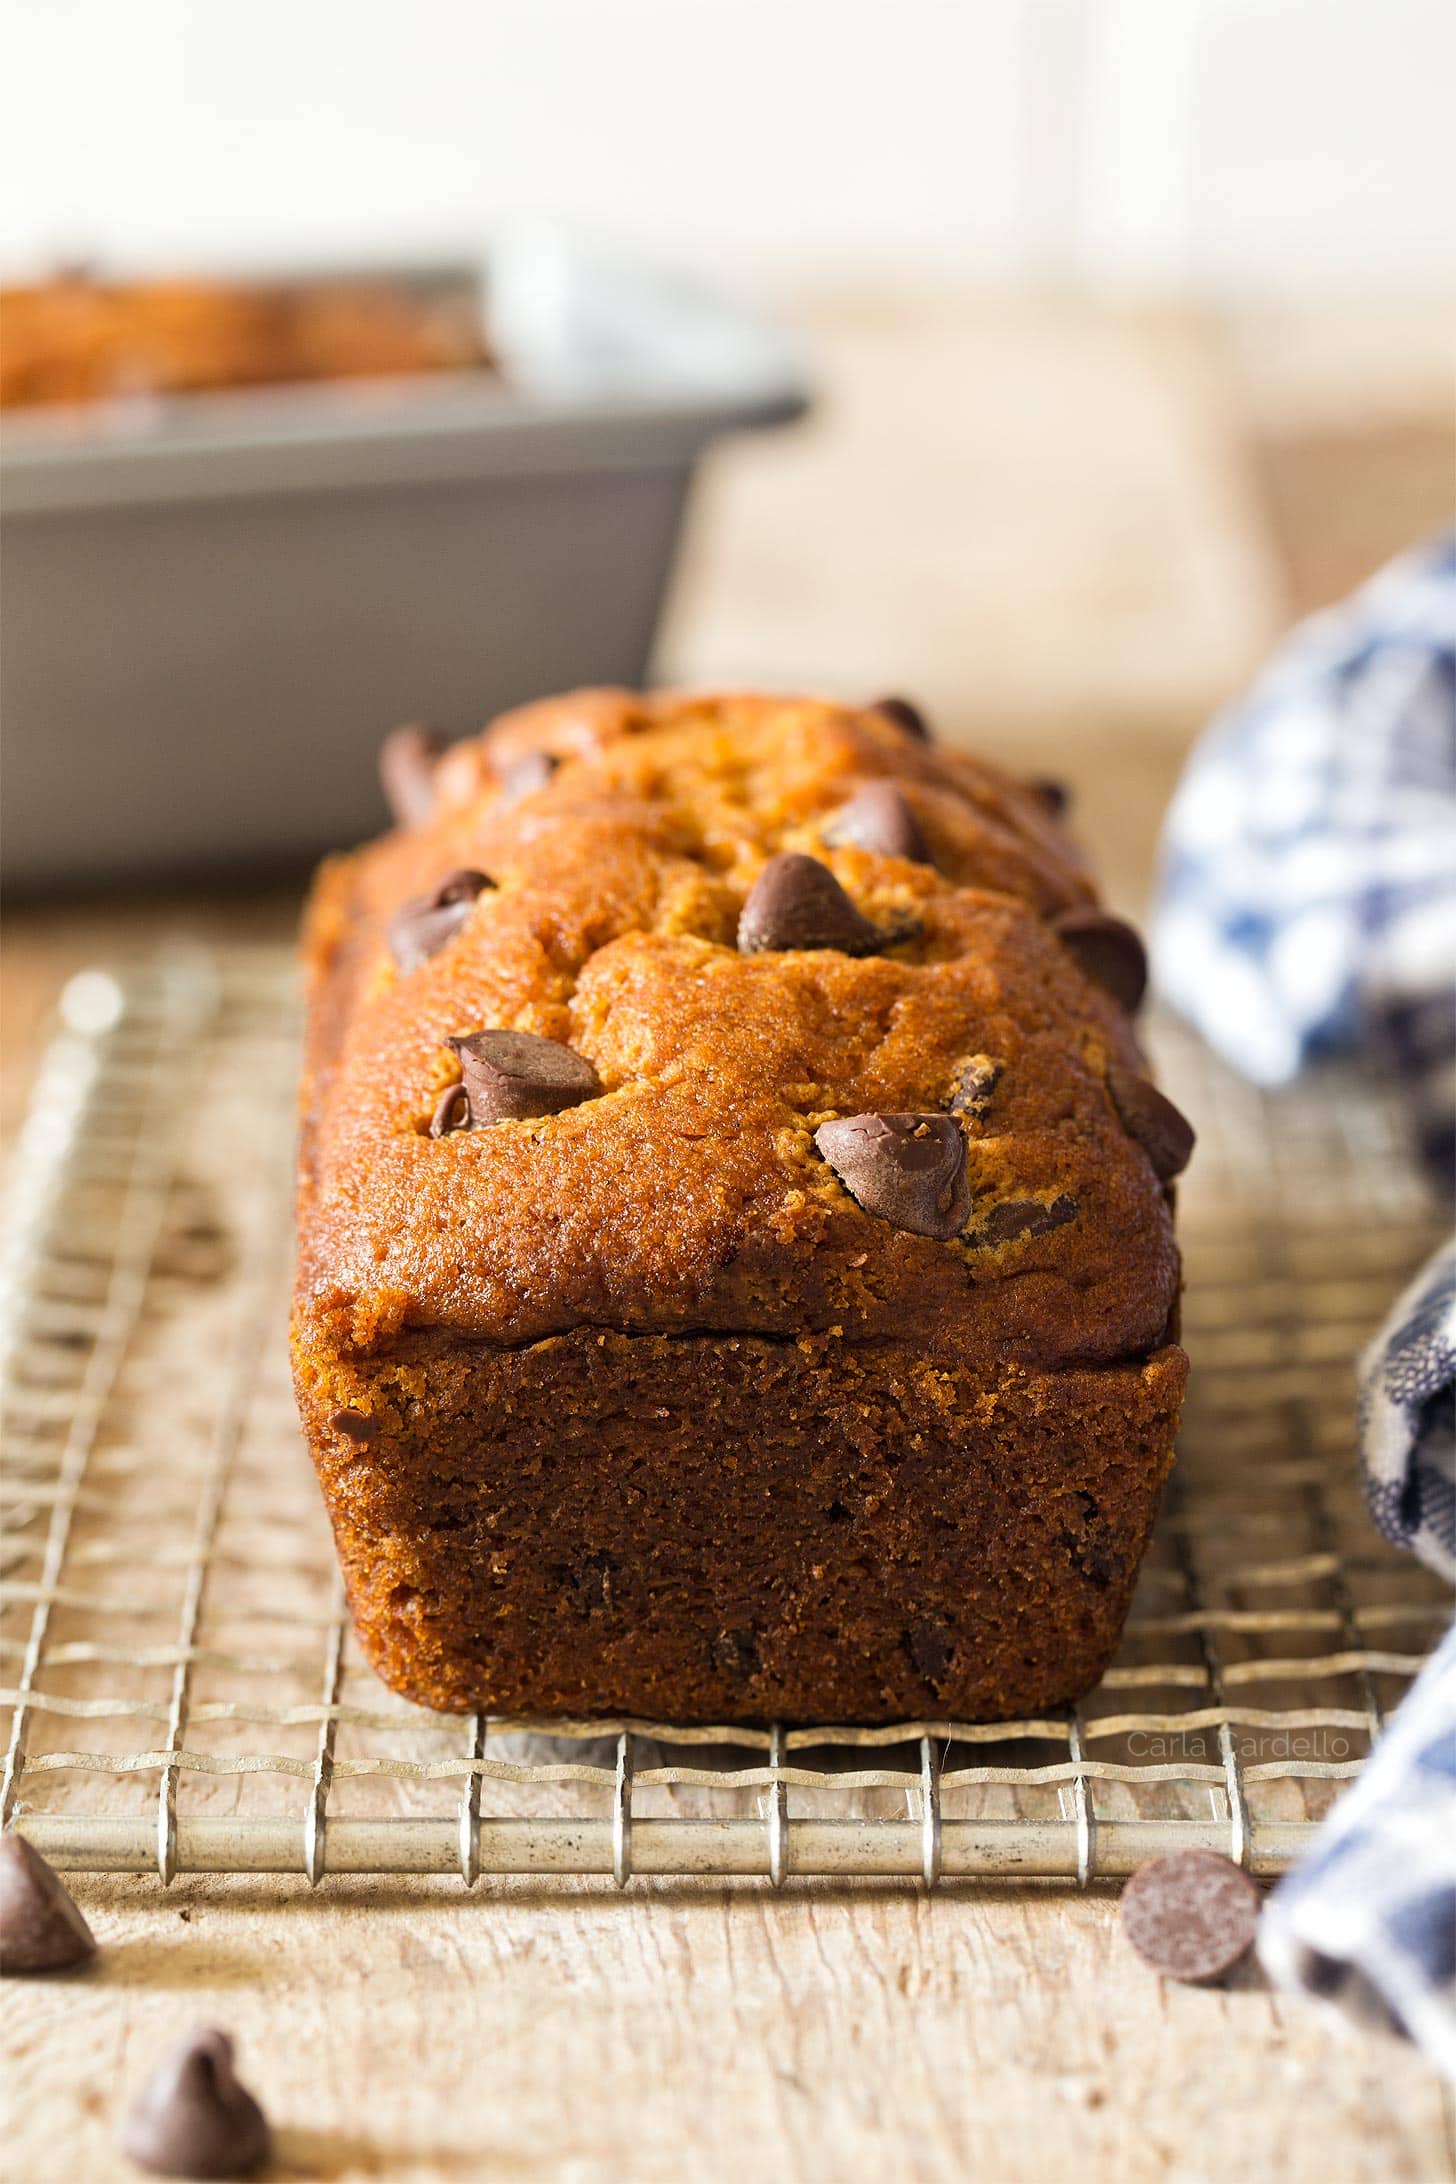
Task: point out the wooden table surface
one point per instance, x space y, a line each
1072 533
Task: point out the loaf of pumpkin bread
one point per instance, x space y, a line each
736 1274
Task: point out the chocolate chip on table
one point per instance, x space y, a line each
407 761
1164 1133
355 1425
421 928
1108 950
525 775
796 902
1191 1914
909 1170
41 1929
510 1075
975 1086
1016 1218
194 2119
878 818
906 716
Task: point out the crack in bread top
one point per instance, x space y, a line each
689 1193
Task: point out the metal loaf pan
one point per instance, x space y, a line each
215 606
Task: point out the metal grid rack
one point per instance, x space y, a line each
184 1692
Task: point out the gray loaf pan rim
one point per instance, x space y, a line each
216 606
603 364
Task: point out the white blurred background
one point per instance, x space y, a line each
1128 321
1207 147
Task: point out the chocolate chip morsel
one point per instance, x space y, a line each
930 1647
510 1075
355 1425
407 761
421 928
194 2119
906 716
40 1928
1108 950
1165 1134
976 1084
525 775
878 818
1016 1218
1191 1914
796 902
910 1170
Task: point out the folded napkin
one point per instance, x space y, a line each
1408 1418
1369 1919
1308 894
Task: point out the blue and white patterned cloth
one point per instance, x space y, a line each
1308 903
1369 1920
1308 897
1408 1418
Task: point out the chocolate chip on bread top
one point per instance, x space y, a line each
733 1198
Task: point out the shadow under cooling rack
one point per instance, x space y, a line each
184 1693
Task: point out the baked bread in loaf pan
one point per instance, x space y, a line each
736 1269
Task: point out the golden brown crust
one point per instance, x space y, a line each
685 1219
611 929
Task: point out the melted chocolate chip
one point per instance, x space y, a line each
194 2119
735 1654
452 1111
525 775
1191 1914
41 1929
906 716
510 1075
878 818
355 1425
1148 1115
975 1087
1093 1560
427 924
930 1646
909 1170
796 902
1016 1218
1091 1544
1108 951
590 1588
407 761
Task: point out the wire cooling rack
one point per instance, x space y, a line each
185 1694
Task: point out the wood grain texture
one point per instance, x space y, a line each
1036 517
1009 573
716 2034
